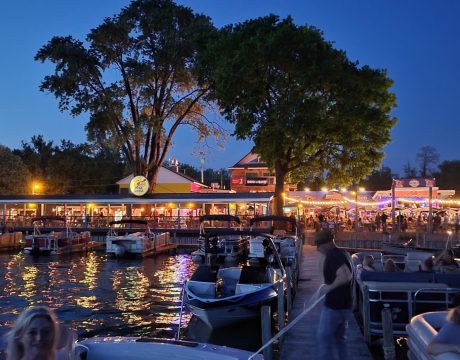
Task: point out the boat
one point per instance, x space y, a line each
407 293
410 246
66 241
140 348
228 247
123 239
285 237
227 295
421 330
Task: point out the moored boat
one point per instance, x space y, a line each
223 296
407 292
123 239
409 246
285 236
114 348
225 247
66 241
421 330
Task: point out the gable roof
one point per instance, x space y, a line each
165 176
250 160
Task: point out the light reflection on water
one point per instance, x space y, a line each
96 294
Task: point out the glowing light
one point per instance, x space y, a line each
35 188
306 189
324 189
343 189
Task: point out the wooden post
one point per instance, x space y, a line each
288 289
266 331
281 313
387 324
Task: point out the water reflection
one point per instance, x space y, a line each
100 295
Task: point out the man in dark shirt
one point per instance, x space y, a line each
336 311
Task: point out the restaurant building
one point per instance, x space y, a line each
250 174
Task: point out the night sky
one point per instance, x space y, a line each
417 41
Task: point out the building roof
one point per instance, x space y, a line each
160 198
165 176
250 160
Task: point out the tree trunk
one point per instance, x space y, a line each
278 200
152 177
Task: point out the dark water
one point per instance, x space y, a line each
97 295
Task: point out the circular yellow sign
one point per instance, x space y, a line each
139 185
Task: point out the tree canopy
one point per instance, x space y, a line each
71 168
136 77
307 107
14 176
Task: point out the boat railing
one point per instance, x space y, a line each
445 298
400 298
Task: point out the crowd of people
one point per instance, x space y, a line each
381 221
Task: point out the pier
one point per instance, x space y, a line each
300 341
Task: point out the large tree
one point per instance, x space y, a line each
306 106
427 158
136 77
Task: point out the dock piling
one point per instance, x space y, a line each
266 331
388 343
281 312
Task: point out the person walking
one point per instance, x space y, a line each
336 311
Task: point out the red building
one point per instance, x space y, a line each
250 174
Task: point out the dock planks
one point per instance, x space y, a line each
300 341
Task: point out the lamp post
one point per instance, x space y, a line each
202 166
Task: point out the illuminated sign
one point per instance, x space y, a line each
414 183
139 185
237 181
257 181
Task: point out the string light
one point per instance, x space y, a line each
346 201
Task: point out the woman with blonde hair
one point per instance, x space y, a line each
34 335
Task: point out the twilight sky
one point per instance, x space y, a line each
417 41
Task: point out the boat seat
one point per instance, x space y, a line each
229 287
205 273
253 275
412 265
414 259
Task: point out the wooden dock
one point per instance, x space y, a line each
300 341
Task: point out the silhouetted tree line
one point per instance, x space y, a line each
66 168
446 173
70 168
